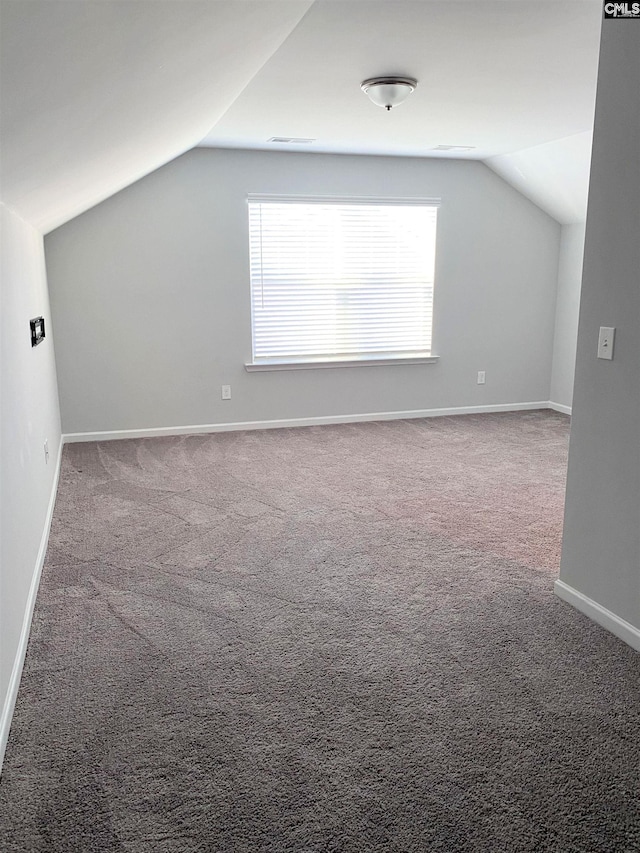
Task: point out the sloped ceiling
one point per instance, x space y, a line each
554 175
98 93
95 94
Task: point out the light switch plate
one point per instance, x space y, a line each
605 342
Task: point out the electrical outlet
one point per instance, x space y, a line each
481 378
46 450
226 392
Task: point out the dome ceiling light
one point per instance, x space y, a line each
388 92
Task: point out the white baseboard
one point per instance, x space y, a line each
621 628
559 407
112 435
16 672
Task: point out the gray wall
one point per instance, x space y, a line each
150 296
601 552
28 414
567 310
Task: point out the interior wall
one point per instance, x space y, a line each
150 296
601 551
565 336
29 414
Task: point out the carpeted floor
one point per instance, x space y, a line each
337 638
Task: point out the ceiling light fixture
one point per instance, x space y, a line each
388 92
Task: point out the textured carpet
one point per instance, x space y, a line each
323 639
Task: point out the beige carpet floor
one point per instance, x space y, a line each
337 638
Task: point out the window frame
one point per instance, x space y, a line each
326 361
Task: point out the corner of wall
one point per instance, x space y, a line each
30 415
601 548
565 336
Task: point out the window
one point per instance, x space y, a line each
341 280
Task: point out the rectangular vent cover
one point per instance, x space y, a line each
453 148
291 140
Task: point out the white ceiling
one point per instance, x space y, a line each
501 76
505 77
97 93
554 175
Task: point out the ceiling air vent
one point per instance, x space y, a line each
291 140
453 148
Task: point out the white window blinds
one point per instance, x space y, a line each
334 280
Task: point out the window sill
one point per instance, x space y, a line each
312 364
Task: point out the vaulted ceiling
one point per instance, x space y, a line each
97 93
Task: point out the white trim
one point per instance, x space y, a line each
560 407
363 361
113 435
19 216
267 198
618 626
18 663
